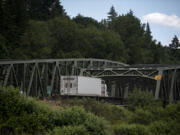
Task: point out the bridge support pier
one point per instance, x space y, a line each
113 89
126 92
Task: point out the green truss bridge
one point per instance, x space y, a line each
33 77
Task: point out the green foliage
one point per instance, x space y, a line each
70 130
159 120
62 38
174 43
13 23
160 128
88 123
44 9
41 29
112 14
109 112
141 99
100 128
86 21
58 36
64 33
133 129
3 49
20 114
72 116
57 9
142 116
172 116
175 49
35 41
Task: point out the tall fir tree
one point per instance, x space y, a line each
57 9
175 52
130 13
174 43
112 14
148 36
1 15
15 15
148 31
15 18
40 9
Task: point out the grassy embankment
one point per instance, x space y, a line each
144 116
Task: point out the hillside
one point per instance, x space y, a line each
20 115
30 30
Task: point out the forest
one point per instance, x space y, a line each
38 29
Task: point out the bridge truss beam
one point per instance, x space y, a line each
38 77
126 79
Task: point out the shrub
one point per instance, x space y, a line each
168 120
72 116
132 129
20 115
96 126
69 130
109 112
77 116
160 128
142 116
172 111
172 116
141 99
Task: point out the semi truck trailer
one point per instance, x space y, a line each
83 86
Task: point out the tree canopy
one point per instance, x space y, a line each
175 44
112 14
42 29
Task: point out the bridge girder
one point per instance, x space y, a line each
35 77
166 87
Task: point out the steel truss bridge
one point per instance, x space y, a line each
35 77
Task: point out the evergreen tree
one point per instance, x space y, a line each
174 43
57 9
14 22
175 52
130 13
112 14
104 23
40 9
15 15
148 32
1 15
148 36
3 49
49 34
132 34
86 21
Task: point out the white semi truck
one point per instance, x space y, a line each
83 86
